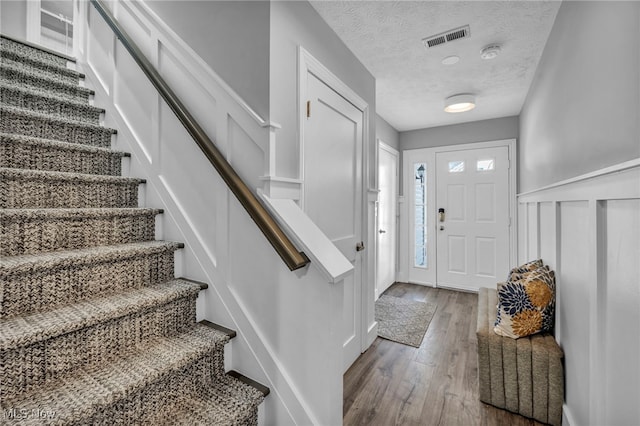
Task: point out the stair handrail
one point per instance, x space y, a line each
292 257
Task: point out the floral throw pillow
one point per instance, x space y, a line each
526 305
527 267
516 276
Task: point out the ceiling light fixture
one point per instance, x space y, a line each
460 103
490 51
450 60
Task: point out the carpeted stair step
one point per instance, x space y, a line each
7 44
35 189
36 283
31 231
55 61
49 104
24 152
28 123
163 374
37 348
228 401
21 77
43 69
82 396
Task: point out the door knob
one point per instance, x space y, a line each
360 246
382 231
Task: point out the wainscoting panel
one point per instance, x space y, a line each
244 154
250 289
622 295
547 212
100 46
203 107
573 316
132 92
533 231
588 230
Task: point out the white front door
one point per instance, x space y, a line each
388 159
333 191
472 199
468 245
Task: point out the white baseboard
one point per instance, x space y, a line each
567 417
372 333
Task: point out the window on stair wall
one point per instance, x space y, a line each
56 25
50 24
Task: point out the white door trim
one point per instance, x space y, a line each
430 154
388 148
307 63
33 21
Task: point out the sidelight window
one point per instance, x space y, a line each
420 214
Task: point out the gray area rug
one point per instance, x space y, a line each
402 320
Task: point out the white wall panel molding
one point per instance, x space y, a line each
598 184
588 230
200 210
276 187
261 131
167 35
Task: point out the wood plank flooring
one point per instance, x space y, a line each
436 384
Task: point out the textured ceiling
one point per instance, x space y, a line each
412 82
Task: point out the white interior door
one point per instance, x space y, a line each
386 260
333 191
473 232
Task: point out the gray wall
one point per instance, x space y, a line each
475 131
386 133
13 18
232 37
293 24
582 111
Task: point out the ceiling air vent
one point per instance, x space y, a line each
447 36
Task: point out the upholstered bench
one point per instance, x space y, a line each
524 376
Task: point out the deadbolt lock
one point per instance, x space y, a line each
360 246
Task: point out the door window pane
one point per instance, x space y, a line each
456 166
420 213
485 165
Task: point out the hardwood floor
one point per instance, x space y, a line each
436 384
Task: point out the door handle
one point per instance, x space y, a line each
360 246
441 214
382 231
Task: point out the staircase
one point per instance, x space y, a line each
94 327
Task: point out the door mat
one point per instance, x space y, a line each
402 320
